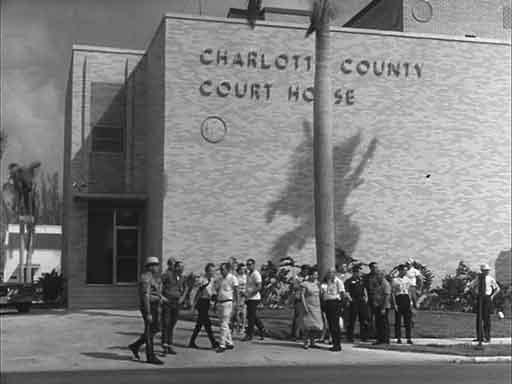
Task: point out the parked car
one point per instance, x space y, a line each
17 295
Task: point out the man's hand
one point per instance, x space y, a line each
395 307
383 311
149 318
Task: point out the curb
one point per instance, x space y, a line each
482 359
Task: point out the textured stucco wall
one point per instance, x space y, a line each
469 17
251 194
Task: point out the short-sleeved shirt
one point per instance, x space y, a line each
242 282
355 287
490 285
206 288
173 285
332 290
412 274
401 285
253 279
226 287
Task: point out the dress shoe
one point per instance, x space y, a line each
230 346
135 351
220 349
170 351
409 341
193 345
399 341
155 360
335 349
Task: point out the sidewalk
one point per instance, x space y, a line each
96 339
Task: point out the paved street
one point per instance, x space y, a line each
417 374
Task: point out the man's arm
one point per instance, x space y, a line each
145 292
495 288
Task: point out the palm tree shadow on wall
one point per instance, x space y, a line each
296 199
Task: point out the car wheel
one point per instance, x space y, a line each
23 308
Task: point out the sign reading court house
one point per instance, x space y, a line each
200 148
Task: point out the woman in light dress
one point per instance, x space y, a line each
312 322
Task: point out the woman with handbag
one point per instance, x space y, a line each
312 320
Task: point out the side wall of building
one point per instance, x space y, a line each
86 171
155 176
422 142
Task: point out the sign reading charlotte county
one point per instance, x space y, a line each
296 62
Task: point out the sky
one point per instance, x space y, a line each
36 37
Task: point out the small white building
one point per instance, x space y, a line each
46 256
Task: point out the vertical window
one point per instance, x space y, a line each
108 106
113 246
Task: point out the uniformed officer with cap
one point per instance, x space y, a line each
150 294
358 307
490 290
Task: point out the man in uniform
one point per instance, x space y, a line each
358 307
491 289
173 289
150 300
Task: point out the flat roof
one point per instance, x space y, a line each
274 24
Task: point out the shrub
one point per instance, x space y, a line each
52 285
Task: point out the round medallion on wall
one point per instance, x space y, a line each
422 11
213 129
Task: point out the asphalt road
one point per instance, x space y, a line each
362 374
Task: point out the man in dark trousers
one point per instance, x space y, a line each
173 289
202 301
490 289
402 304
358 307
381 303
150 294
371 310
253 289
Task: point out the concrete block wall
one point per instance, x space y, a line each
422 156
484 19
91 64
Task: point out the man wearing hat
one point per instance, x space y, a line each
150 294
491 289
358 307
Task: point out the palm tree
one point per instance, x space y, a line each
321 18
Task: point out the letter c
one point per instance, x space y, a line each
204 60
203 90
345 70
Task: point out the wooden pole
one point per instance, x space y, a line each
323 151
22 251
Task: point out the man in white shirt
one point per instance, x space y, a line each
491 289
253 289
226 294
402 304
415 277
332 291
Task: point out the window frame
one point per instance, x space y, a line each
115 227
98 124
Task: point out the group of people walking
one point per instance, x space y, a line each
321 306
235 296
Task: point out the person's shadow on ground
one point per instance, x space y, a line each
109 356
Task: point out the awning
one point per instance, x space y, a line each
140 197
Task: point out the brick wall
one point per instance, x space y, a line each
422 161
484 19
99 173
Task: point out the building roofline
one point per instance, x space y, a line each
103 49
357 31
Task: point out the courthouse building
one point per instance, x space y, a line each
200 147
